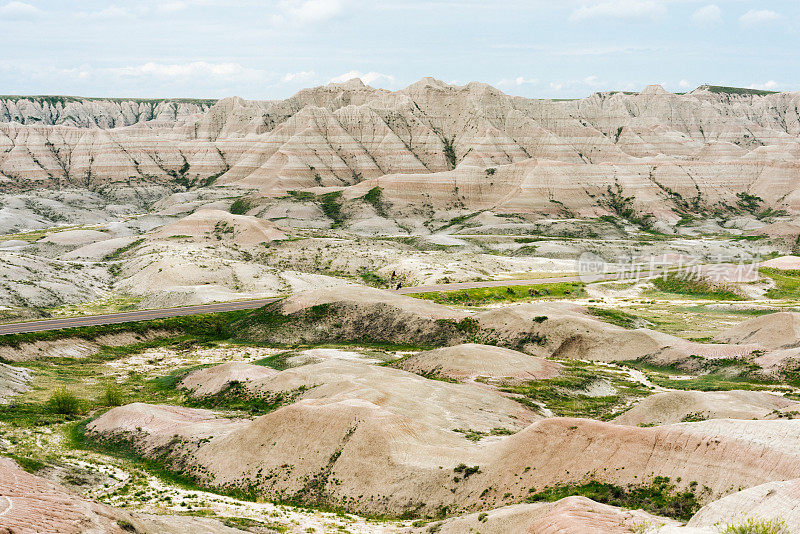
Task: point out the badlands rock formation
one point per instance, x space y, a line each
356 453
431 403
210 224
30 504
778 501
471 360
433 146
676 406
573 515
547 329
96 112
773 331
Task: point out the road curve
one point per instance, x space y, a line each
162 313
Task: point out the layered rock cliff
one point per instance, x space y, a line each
96 112
434 144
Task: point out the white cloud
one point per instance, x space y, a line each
518 81
193 70
684 84
619 9
707 17
299 12
771 85
297 77
757 17
369 78
19 10
591 81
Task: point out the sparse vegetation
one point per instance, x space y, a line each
63 402
660 497
617 317
331 204
122 250
787 283
449 151
694 286
572 393
375 197
757 526
242 205
112 396
487 295
710 375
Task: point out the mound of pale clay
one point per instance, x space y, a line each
780 229
785 263
13 380
220 225
75 237
73 347
211 380
564 330
675 406
771 501
468 361
350 449
373 459
362 296
59 348
776 360
572 515
432 402
99 250
31 504
779 330
162 423
357 313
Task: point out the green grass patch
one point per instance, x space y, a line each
375 197
693 287
31 465
736 90
712 375
489 295
568 395
242 205
756 526
210 326
111 256
331 204
787 283
617 317
660 497
236 396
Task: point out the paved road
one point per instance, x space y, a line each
127 317
144 315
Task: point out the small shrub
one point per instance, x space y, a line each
241 206
112 396
63 401
465 470
127 526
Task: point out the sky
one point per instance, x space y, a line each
260 49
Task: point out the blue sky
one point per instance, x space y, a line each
271 49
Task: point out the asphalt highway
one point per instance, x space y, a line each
162 313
